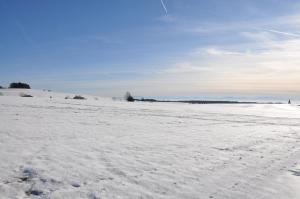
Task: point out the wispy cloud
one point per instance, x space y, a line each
272 70
258 36
168 18
283 25
284 33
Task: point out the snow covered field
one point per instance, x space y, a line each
65 148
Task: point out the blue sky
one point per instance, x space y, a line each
110 46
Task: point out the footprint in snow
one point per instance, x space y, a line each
34 192
39 185
28 174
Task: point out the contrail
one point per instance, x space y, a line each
164 6
284 33
23 32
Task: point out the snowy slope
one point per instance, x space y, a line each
58 148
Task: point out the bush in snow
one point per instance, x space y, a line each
19 85
67 97
25 95
128 97
78 97
1 87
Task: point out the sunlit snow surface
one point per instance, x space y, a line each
64 148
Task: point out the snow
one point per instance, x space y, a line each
100 148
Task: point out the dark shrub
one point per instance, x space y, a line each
1 87
25 95
19 85
79 97
128 97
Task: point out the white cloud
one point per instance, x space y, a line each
218 52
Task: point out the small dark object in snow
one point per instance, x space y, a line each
34 192
75 184
25 95
44 180
295 173
79 97
24 179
